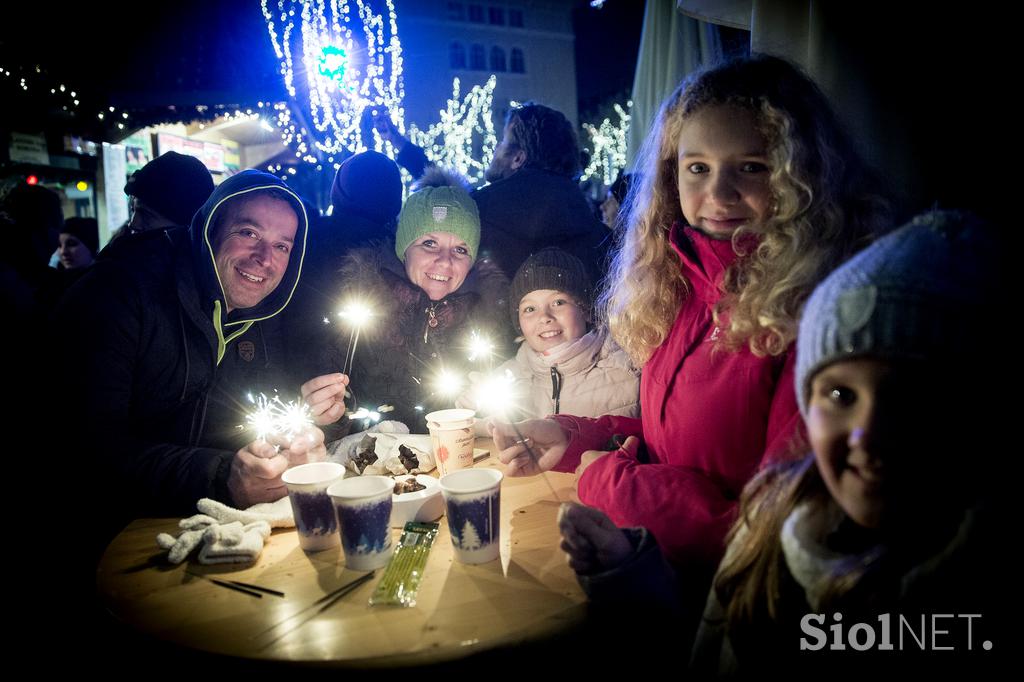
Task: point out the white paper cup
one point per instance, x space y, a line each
451 438
473 501
363 506
314 512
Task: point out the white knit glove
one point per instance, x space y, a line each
229 534
341 451
233 542
276 514
180 547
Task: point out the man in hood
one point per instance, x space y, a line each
171 341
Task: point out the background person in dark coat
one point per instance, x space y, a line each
533 200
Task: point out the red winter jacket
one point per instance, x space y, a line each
709 418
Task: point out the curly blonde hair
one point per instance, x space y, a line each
825 205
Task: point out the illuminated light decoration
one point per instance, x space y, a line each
347 57
608 146
464 139
32 180
81 185
338 57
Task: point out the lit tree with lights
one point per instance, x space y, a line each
608 143
338 59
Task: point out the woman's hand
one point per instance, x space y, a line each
544 437
592 542
325 396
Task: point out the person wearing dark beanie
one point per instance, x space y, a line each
562 366
368 184
167 192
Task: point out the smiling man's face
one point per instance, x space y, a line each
252 247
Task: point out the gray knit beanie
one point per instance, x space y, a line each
552 269
917 293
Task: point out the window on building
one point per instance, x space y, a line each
496 15
477 58
456 12
476 14
518 63
457 56
515 18
497 59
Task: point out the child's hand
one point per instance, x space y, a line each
631 447
545 445
592 542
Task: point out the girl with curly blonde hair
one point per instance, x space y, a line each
749 194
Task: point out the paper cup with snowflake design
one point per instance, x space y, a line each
363 507
473 501
451 437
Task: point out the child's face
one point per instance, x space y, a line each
550 318
723 171
877 436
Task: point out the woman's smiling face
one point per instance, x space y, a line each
438 263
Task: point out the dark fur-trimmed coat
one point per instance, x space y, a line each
399 354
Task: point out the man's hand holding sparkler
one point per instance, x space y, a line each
545 437
256 469
325 396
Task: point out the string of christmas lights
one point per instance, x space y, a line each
608 145
37 78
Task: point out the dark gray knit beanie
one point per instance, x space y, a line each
551 269
917 293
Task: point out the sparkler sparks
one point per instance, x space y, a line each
494 395
273 416
479 346
448 383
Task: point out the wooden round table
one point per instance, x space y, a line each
527 595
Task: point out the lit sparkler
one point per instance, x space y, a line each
448 383
357 315
480 347
273 416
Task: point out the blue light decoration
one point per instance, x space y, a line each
339 57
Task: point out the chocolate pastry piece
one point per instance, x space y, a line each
410 485
408 458
365 456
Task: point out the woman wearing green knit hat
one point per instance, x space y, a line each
438 236
428 294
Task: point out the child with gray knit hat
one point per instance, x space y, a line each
561 367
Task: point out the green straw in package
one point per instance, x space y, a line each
401 579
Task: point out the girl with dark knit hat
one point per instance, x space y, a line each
564 364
